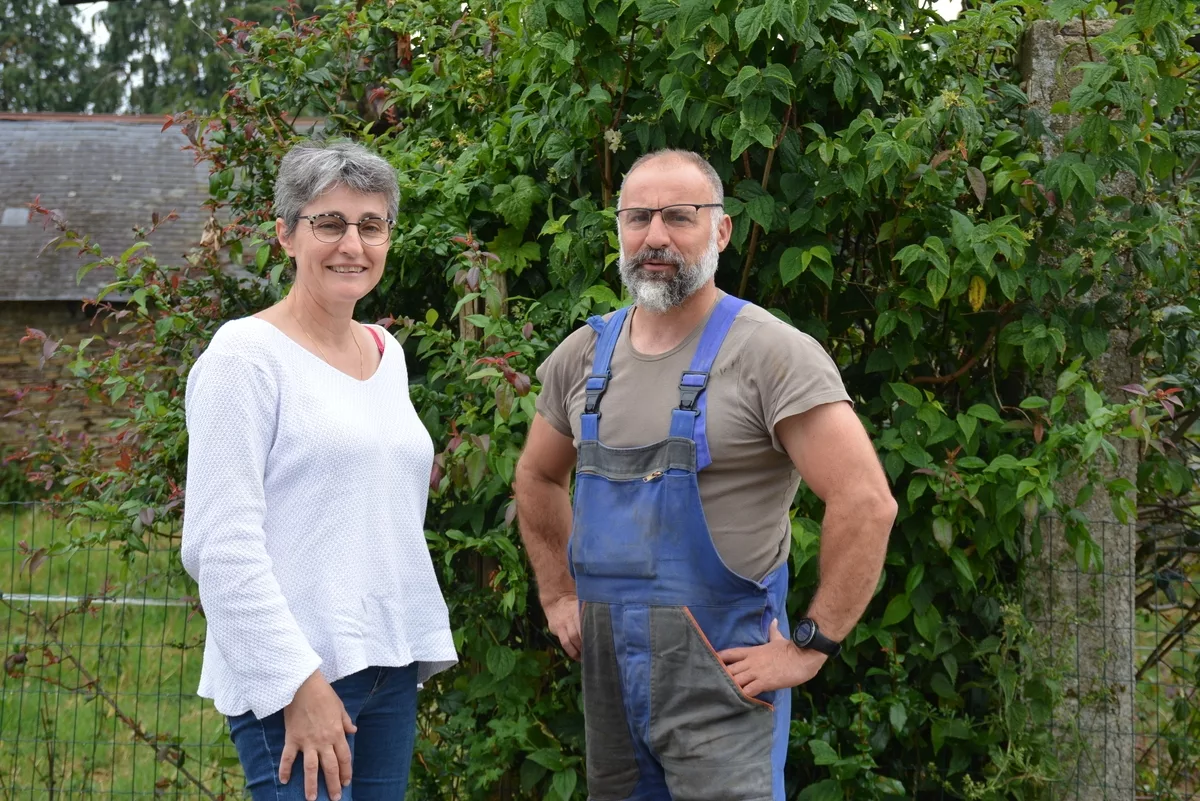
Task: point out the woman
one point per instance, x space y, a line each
308 474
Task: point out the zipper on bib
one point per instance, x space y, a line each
652 476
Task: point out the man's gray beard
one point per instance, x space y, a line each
659 294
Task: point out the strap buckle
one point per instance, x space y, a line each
593 390
690 387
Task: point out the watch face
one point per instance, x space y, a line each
804 632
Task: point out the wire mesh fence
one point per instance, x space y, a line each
102 658
103 647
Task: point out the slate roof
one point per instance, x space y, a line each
106 174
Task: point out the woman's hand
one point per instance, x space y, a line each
315 724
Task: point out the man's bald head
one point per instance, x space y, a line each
671 157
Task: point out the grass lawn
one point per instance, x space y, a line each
59 741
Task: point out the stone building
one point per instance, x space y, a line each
105 175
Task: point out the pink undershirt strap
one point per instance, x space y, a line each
378 339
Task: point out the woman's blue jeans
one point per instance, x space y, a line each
382 702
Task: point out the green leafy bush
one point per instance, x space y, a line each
893 194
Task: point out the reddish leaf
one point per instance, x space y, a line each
34 561
1136 389
939 159
473 277
527 331
510 513
1168 408
521 384
491 256
48 348
1038 432
386 322
170 121
146 516
33 333
14 661
978 182
435 477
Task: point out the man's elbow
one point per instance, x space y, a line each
874 506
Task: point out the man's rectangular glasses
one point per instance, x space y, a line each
680 215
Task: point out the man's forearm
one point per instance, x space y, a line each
544 518
854 539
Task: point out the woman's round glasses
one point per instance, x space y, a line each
330 228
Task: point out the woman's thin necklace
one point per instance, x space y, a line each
317 345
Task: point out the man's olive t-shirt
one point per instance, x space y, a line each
765 371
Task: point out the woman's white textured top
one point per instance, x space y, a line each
304 519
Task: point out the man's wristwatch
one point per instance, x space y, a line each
808 635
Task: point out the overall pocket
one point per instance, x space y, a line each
617 525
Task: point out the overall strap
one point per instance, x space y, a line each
690 419
597 382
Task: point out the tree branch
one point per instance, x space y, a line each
969 363
742 285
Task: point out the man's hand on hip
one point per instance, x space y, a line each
778 664
562 616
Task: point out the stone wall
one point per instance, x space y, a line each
62 320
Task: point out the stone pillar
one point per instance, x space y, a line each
1087 618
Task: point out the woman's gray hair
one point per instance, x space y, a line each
687 157
312 168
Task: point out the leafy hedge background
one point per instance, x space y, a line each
893 194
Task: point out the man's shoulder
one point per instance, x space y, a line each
763 330
576 349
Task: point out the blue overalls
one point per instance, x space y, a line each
664 718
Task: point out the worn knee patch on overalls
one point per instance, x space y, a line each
664 718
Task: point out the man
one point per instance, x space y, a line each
689 419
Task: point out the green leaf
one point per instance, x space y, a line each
762 210
500 661
823 272
844 13
564 783
852 176
984 412
897 610
749 25
967 424
1087 177
1095 340
916 574
1091 400
961 229
928 624
875 84
943 532
880 361
937 283
824 790
791 265
908 393
607 15
515 200
549 758
823 753
960 560
941 685
573 11
1010 282
1148 13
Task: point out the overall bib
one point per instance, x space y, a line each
665 721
